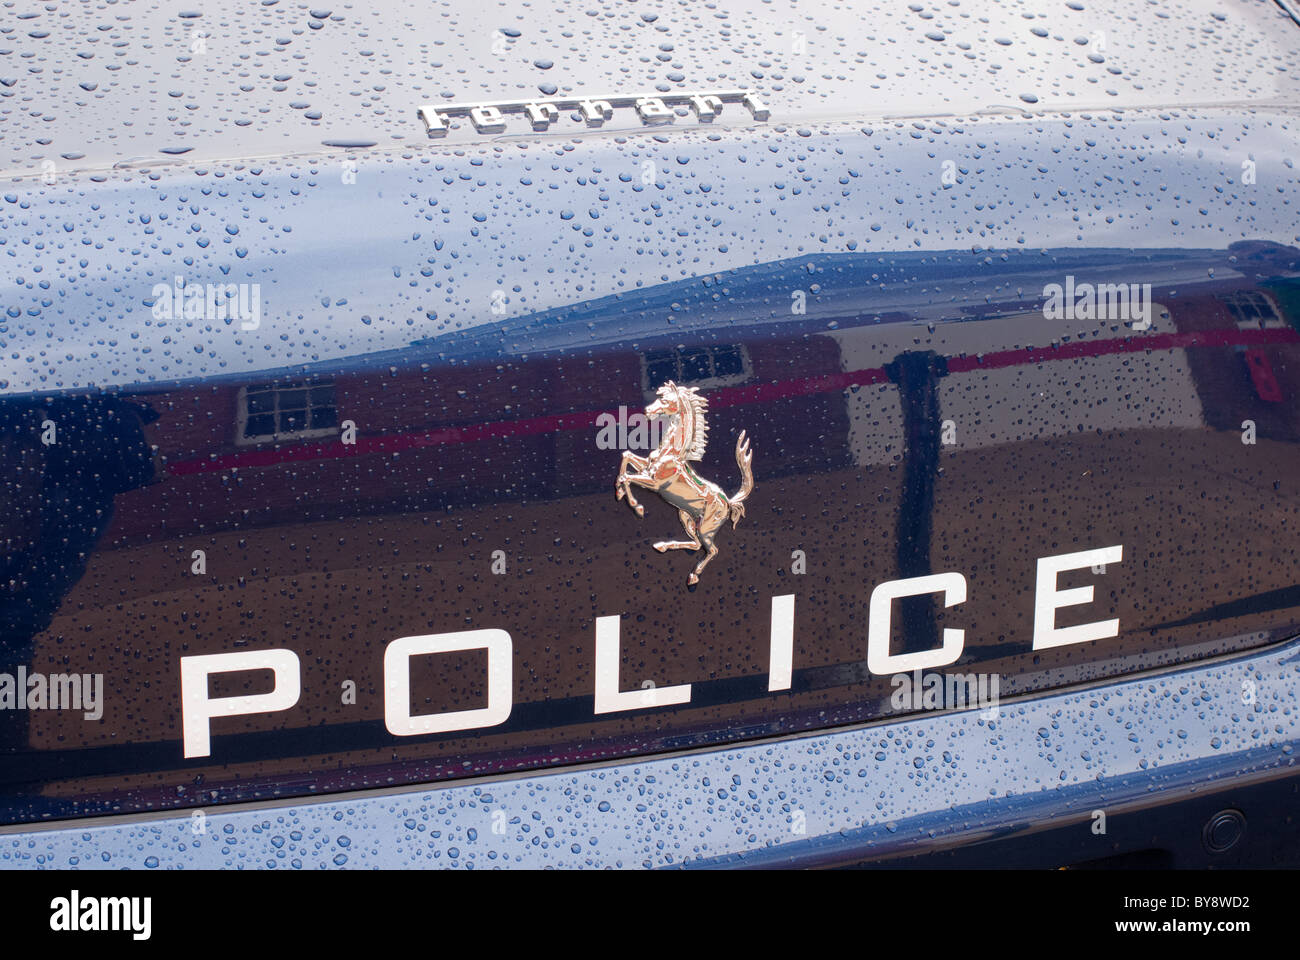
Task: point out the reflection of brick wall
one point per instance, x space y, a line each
1229 392
193 423
809 433
553 461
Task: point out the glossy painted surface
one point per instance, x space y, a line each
866 300
149 83
1069 435
911 787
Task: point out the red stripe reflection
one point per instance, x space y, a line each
731 397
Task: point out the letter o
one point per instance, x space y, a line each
397 682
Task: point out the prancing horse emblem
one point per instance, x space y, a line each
700 503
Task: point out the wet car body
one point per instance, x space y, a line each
969 325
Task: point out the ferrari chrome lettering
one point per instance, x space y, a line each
651 108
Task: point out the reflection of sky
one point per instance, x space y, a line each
241 79
416 247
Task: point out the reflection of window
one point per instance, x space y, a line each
696 366
1252 310
286 411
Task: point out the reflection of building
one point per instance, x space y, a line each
510 421
1214 355
520 429
704 367
286 411
1254 376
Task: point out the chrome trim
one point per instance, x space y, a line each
488 116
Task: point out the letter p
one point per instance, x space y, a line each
198 708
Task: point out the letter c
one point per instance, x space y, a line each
879 659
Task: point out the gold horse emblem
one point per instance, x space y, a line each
701 504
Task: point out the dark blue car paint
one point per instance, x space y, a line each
921 785
922 247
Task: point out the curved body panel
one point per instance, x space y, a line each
312 436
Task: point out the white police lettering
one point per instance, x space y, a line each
879 660
608 695
198 708
397 682
1047 599
609 699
